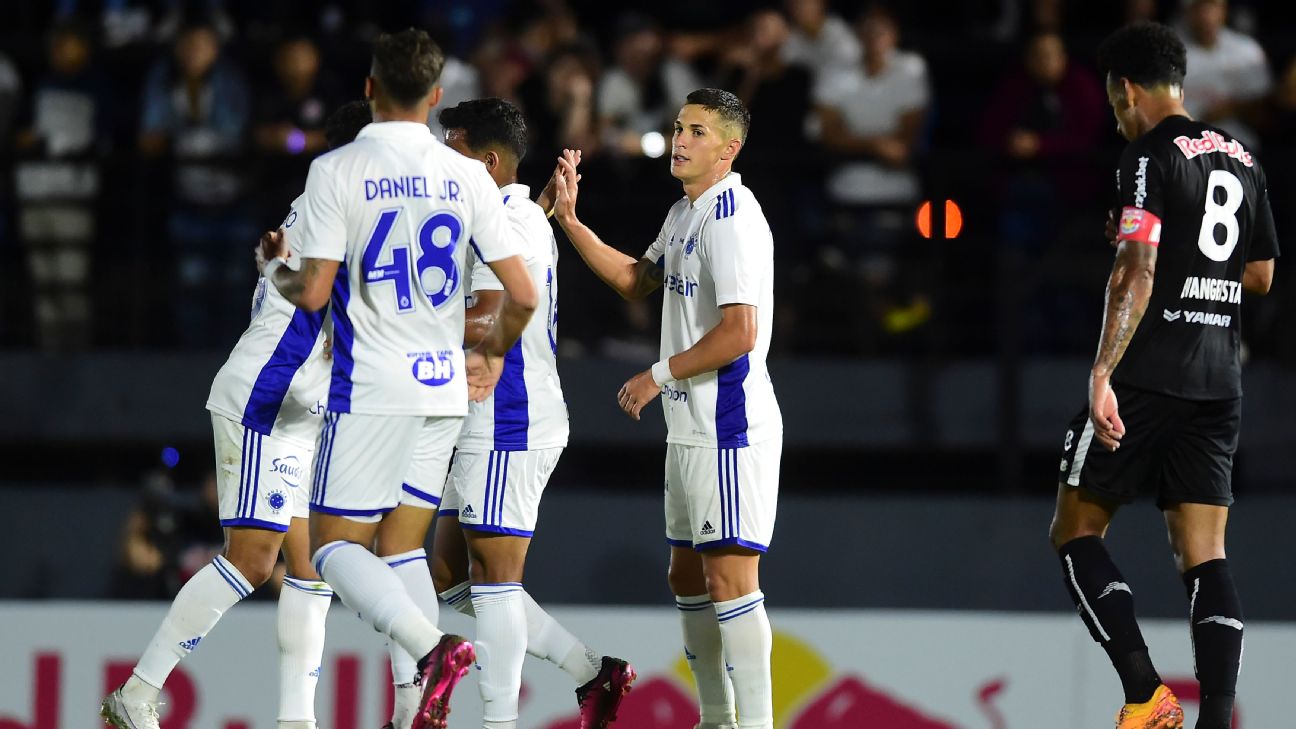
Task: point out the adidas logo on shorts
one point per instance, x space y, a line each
707 528
467 512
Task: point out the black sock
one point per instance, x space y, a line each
1106 605
1216 619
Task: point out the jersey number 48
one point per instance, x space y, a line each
435 270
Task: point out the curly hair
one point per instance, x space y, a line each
488 123
1148 54
406 65
724 103
345 123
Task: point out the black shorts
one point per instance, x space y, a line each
1180 450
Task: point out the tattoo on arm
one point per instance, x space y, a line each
1128 293
292 284
648 277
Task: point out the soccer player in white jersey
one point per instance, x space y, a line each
715 257
266 404
386 225
509 447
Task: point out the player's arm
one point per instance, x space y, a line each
1129 288
1257 277
485 361
481 316
308 288
631 278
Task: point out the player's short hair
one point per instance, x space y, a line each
727 105
345 123
1148 54
488 123
406 65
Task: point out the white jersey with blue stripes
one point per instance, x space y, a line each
400 210
715 251
275 380
527 410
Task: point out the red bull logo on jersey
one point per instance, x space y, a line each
1212 141
434 368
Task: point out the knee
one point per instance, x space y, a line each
685 582
443 576
256 565
1061 532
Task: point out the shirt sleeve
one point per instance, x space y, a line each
657 251
493 236
1141 196
321 216
1264 242
292 234
738 251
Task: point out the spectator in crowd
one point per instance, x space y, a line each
289 127
643 92
196 108
1228 74
58 187
10 95
820 40
168 537
559 105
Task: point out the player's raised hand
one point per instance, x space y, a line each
483 373
549 195
1104 411
637 392
565 186
270 246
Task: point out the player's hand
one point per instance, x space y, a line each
549 195
270 246
565 186
1113 216
483 373
638 392
1105 413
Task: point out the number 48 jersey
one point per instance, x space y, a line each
1200 197
399 210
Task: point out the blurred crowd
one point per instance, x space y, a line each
144 144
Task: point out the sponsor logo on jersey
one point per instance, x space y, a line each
1140 182
434 369
1207 318
1212 289
677 284
673 394
1210 142
276 501
707 528
289 469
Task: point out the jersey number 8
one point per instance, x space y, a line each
435 269
1222 213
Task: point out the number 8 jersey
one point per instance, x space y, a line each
1200 197
399 210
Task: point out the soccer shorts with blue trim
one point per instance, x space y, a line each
718 497
499 491
261 481
364 462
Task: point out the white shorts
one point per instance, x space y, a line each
366 460
499 491
260 479
718 497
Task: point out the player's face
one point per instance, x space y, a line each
1127 116
699 144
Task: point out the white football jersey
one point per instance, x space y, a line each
275 380
527 410
715 251
399 209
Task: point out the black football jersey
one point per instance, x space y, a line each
1200 196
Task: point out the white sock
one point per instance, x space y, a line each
705 653
194 612
412 569
547 639
406 703
459 598
303 608
501 647
745 631
368 586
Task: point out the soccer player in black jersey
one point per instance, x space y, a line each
1193 232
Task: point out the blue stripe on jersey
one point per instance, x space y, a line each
731 404
473 243
512 410
271 386
661 261
343 342
725 205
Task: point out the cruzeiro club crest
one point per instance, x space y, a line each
276 500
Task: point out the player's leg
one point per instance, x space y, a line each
360 464
254 522
703 647
1197 489
400 543
303 609
498 562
